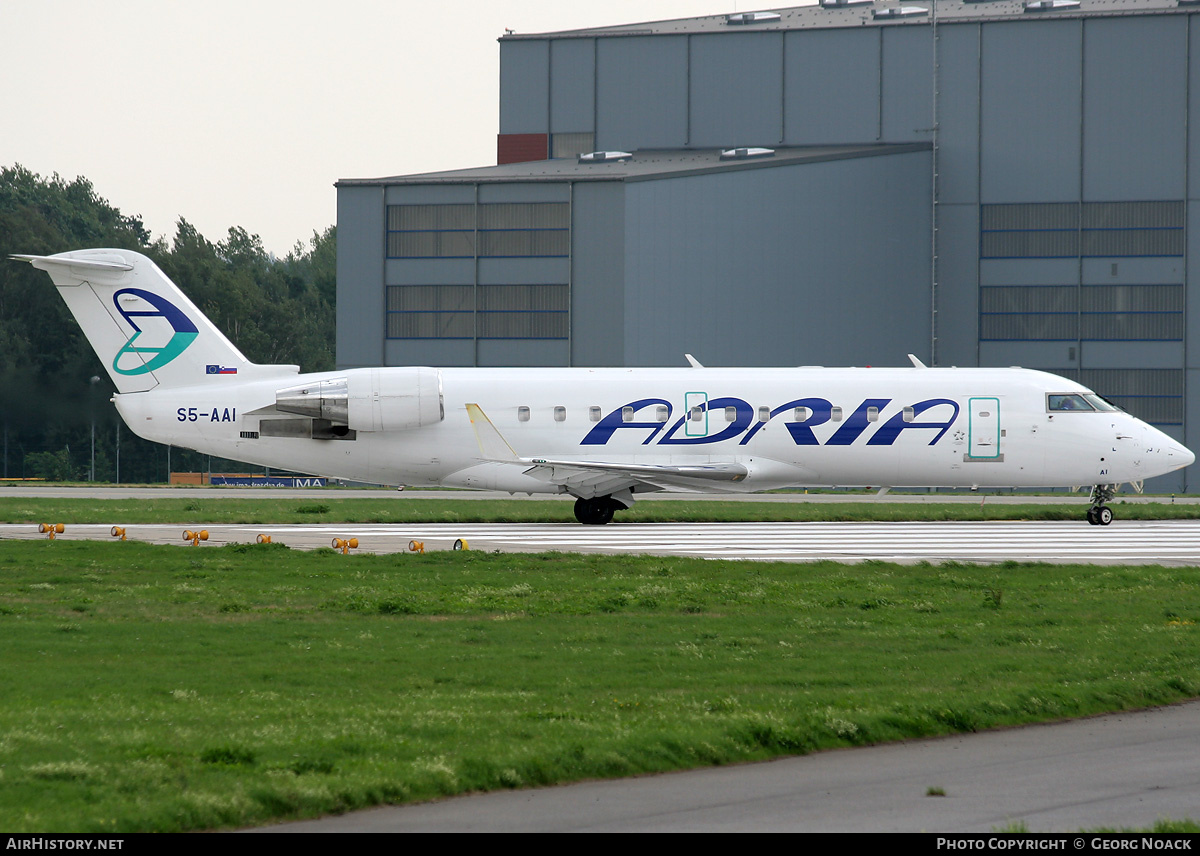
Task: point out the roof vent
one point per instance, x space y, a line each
1050 5
838 4
900 12
746 153
752 18
604 157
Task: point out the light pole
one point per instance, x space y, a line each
95 379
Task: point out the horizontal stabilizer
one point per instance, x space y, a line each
46 262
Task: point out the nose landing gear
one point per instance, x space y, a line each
1100 514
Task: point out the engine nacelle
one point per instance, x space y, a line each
386 399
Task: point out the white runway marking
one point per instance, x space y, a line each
1124 542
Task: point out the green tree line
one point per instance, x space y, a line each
276 310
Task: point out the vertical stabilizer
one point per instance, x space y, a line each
146 331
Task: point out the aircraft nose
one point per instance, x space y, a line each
1172 454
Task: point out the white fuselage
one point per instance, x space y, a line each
893 427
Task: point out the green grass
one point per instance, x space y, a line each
389 508
156 688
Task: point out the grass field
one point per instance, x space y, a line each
155 688
389 508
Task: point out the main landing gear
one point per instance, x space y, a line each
1100 514
596 511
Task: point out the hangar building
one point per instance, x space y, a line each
994 182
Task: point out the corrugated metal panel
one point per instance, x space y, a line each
430 298
524 87
641 91
1157 326
1029 327
430 325
528 298
907 93
1131 298
523 325
525 242
1149 215
736 96
831 87
1029 298
572 145
1055 230
572 86
430 245
1134 108
431 217
525 215
1031 111
1133 242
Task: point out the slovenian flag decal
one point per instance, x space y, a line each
219 370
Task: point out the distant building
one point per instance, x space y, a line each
1002 183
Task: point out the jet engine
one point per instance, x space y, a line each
386 399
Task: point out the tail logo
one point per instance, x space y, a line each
148 357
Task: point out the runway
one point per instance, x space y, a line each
1175 542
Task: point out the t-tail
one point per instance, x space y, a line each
146 331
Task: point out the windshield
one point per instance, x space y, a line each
1100 402
1058 402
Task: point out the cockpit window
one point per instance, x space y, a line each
1056 402
1100 402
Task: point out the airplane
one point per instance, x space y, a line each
602 435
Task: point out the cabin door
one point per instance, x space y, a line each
984 429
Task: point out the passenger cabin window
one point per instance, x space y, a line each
560 414
594 413
730 414
909 414
764 414
1056 403
835 414
660 413
696 413
872 414
626 414
522 414
802 414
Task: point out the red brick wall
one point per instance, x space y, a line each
519 148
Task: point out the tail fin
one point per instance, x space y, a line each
144 329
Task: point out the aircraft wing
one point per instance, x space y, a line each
597 476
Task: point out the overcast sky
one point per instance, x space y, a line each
245 112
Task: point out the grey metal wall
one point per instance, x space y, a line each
723 89
780 266
598 274
359 327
